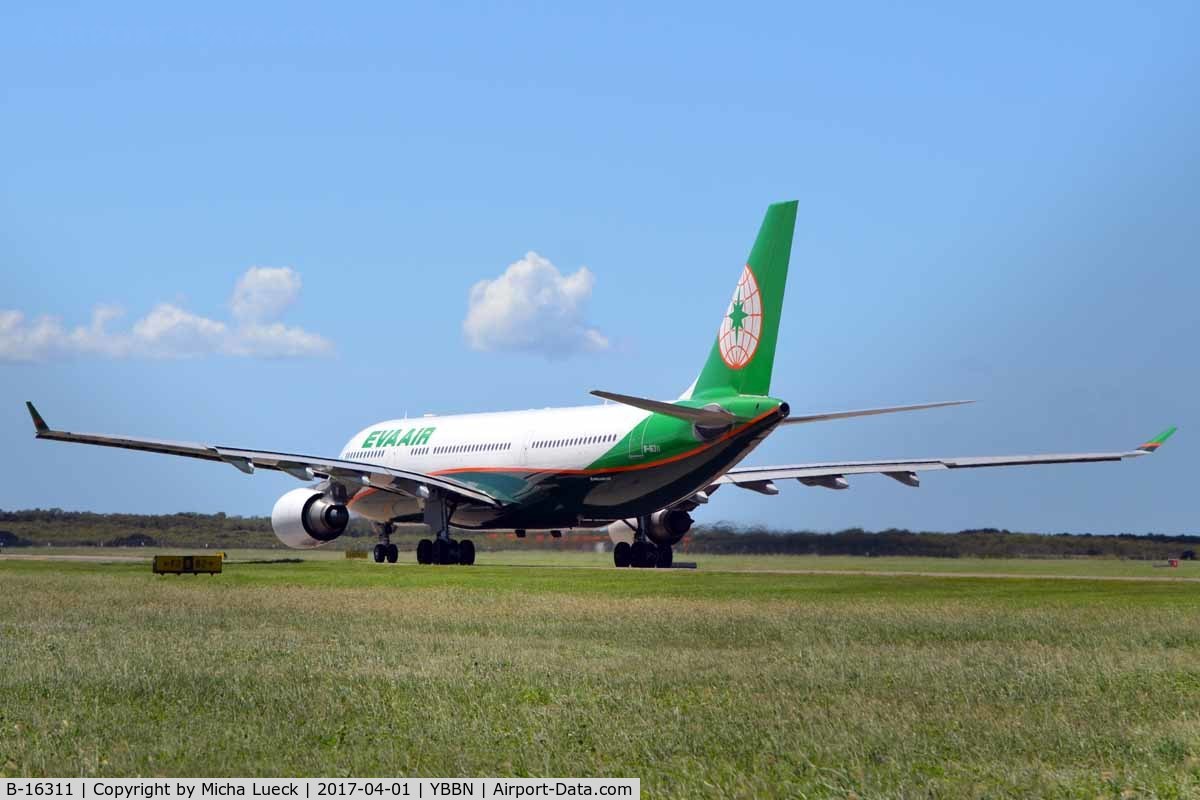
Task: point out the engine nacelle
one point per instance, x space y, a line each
305 518
665 527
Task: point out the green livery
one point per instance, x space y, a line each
1158 441
743 355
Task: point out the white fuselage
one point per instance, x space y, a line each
567 438
542 439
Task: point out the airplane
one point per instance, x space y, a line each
635 466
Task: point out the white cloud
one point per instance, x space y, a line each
264 293
276 340
169 331
532 307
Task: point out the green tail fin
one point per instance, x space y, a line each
744 352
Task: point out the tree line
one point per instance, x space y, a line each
41 527
975 543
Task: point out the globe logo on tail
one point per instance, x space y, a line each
742 326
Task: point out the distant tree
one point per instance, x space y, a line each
8 539
132 540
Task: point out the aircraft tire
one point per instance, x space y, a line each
392 553
378 553
643 555
441 551
466 552
622 555
425 552
665 556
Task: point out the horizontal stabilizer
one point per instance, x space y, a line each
869 412
709 417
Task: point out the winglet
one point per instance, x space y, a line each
1157 441
39 424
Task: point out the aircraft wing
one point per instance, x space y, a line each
352 474
832 475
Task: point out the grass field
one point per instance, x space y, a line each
721 681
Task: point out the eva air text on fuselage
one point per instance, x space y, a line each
411 437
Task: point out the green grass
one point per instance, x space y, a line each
531 556
713 682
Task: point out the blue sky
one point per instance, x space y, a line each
994 204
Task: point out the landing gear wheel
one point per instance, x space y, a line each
644 554
379 553
425 551
466 552
441 551
622 554
392 553
665 556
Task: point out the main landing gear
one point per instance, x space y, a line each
442 549
385 550
642 553
446 551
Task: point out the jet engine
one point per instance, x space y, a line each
306 518
665 527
